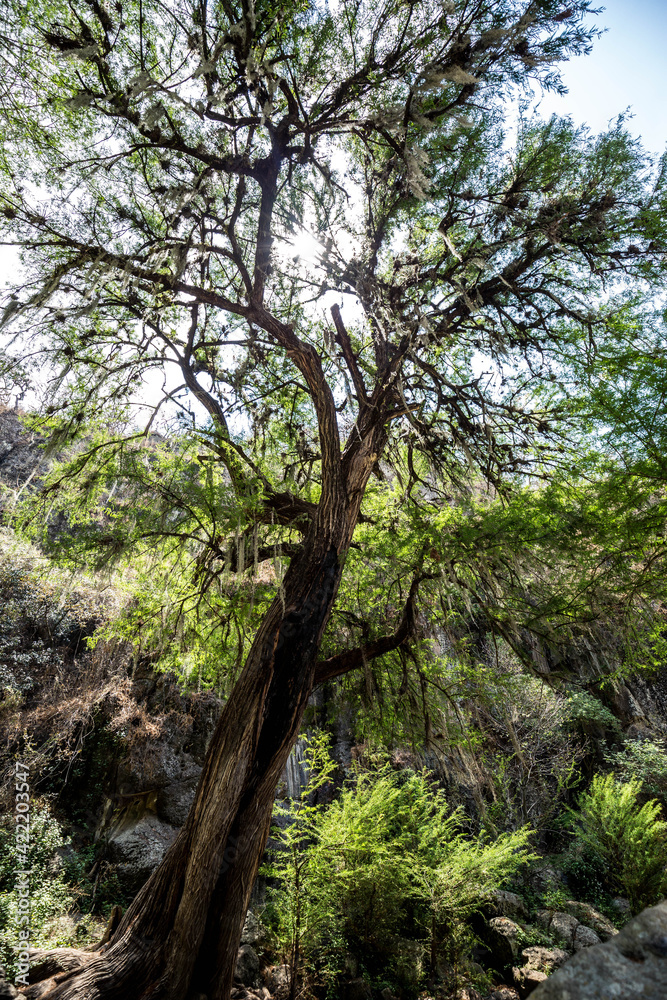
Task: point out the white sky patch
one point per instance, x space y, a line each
303 247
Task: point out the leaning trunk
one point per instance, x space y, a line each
182 931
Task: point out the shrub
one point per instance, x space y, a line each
50 894
582 708
628 839
644 761
59 886
384 871
587 879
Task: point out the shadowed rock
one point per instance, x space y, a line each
631 965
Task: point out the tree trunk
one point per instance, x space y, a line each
181 933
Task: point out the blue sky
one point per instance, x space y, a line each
628 67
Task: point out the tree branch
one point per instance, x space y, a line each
351 659
343 340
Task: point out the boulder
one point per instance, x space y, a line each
508 904
7 990
350 965
527 980
277 978
543 959
503 993
358 989
561 925
585 937
587 914
538 964
622 906
631 965
543 876
502 938
247 965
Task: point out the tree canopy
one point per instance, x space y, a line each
314 220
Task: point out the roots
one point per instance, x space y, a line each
50 968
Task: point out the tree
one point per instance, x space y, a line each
188 182
625 839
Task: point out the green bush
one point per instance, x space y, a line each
627 841
59 886
644 761
50 893
587 879
384 871
582 708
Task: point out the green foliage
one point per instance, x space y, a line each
291 904
159 166
52 891
386 864
642 760
68 903
498 732
626 841
161 520
583 708
162 263
587 878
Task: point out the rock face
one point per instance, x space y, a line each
632 965
253 932
20 454
137 848
174 801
